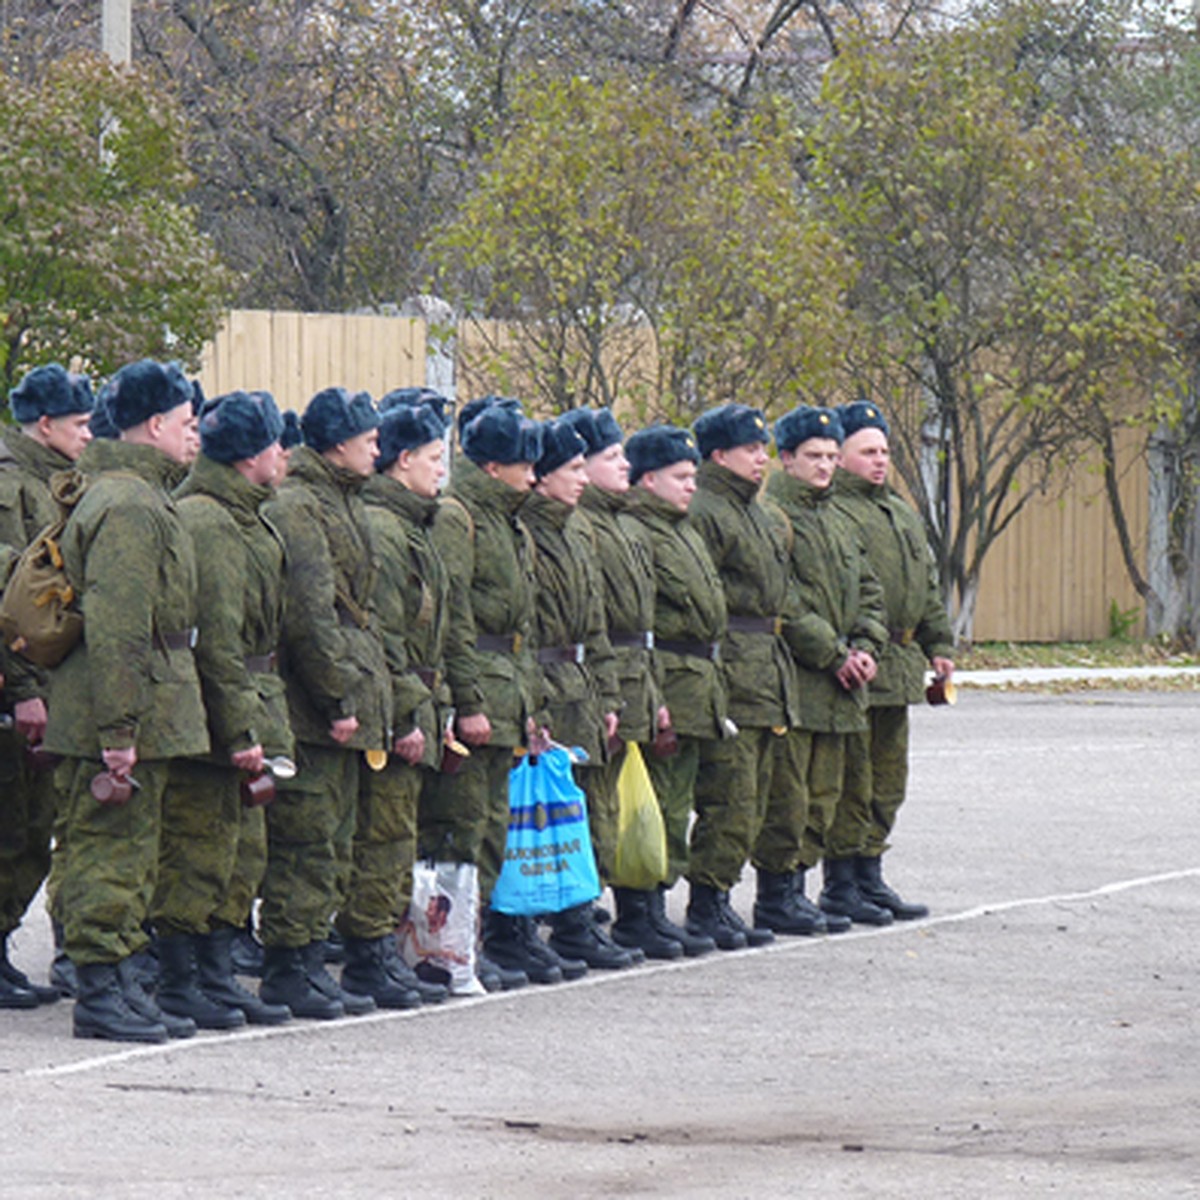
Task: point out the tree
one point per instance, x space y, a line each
100 258
997 312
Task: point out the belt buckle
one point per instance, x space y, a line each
648 639
714 650
580 654
517 642
777 623
193 636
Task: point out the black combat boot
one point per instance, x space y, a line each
869 873
63 977
179 992
706 919
247 951
14 983
841 898
826 922
495 978
354 1003
366 974
218 982
634 927
286 982
775 907
571 968
403 974
506 942
575 935
103 1011
130 977
730 917
693 945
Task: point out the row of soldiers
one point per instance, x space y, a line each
326 629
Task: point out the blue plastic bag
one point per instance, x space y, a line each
549 864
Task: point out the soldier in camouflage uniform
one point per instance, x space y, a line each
735 775
202 899
688 623
411 607
918 634
578 668
127 698
339 701
52 410
835 630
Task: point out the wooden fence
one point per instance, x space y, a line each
1054 575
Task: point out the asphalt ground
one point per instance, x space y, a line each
1036 1036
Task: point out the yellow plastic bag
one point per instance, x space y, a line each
641 836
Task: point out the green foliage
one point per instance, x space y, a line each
100 258
1122 621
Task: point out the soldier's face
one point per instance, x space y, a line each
565 483
518 476
356 454
171 432
748 461
865 453
812 462
609 469
423 469
266 466
191 445
675 485
68 435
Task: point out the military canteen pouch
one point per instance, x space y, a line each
549 864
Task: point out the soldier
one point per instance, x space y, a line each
202 899
339 703
126 699
835 630
411 604
735 775
918 632
578 668
491 670
689 621
52 409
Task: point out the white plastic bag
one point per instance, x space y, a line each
437 937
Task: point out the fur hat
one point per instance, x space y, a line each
101 423
239 425
405 427
417 397
861 414
729 426
597 426
499 433
291 435
657 447
473 408
144 389
807 422
50 391
334 416
561 442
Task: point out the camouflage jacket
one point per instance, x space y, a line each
626 574
837 603
570 612
26 508
411 602
689 607
918 627
332 657
488 555
239 565
751 560
131 680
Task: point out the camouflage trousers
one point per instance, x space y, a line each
110 861
875 784
305 826
805 786
599 785
211 847
733 784
464 817
27 811
384 847
674 780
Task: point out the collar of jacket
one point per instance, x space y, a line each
855 485
32 456
787 489
112 454
308 465
541 510
386 492
226 484
721 480
644 504
475 486
600 500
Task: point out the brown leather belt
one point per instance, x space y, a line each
181 639
261 664
771 625
499 643
428 676
575 652
708 650
901 637
642 641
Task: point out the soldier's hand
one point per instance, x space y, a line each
29 719
537 737
611 724
343 729
248 760
867 666
943 668
120 762
410 747
475 730
664 717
